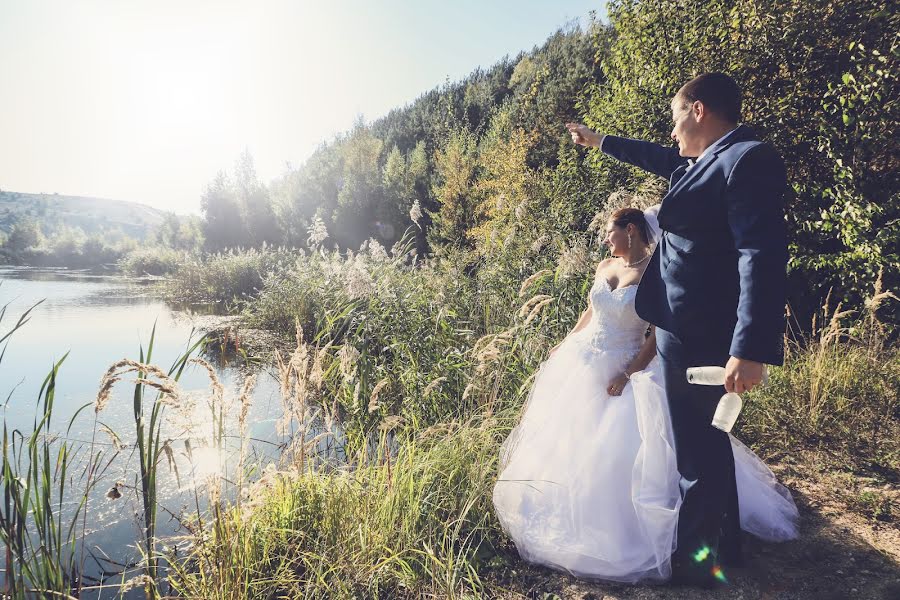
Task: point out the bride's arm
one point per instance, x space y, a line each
638 363
581 324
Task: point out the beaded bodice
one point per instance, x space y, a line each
614 325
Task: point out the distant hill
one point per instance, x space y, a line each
93 215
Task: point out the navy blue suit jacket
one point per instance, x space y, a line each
718 275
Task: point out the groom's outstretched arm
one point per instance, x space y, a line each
661 160
755 199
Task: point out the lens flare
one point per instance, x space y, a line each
702 554
719 574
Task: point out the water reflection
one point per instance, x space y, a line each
99 320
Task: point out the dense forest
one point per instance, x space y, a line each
485 164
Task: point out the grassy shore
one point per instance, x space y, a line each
390 350
417 371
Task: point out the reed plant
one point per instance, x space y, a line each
419 521
38 524
839 389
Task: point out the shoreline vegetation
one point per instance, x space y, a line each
414 273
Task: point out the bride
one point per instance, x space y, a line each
588 479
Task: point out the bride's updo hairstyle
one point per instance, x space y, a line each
624 216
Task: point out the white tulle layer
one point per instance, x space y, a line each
589 483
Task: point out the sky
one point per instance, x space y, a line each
147 100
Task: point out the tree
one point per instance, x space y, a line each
24 234
223 226
455 167
255 205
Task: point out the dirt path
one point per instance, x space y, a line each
841 554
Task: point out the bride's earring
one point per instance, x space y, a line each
629 241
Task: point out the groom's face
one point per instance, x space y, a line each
686 127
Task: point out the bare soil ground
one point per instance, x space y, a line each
849 548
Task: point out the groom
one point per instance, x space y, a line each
715 289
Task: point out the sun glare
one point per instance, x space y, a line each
206 462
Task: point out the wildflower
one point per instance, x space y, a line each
415 213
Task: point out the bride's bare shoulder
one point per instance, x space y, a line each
604 264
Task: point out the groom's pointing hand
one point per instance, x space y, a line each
742 375
584 136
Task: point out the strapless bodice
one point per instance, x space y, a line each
614 325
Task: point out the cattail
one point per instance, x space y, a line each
527 283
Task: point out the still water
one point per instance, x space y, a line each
97 321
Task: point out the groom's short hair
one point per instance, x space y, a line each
717 91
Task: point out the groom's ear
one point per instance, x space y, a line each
699 110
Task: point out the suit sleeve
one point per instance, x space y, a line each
755 199
648 156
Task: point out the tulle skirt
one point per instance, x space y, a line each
589 483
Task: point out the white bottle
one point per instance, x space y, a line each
706 375
729 406
727 412
713 375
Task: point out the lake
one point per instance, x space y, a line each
99 320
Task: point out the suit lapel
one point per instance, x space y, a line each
693 174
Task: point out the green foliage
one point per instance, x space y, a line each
455 164
820 84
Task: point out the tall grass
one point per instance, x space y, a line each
390 526
839 389
38 534
416 372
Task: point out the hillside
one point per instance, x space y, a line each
93 215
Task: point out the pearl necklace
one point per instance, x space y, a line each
636 263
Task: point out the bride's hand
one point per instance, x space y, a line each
617 385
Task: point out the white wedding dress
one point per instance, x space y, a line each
588 483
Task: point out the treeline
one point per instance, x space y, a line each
441 165
485 164
34 242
